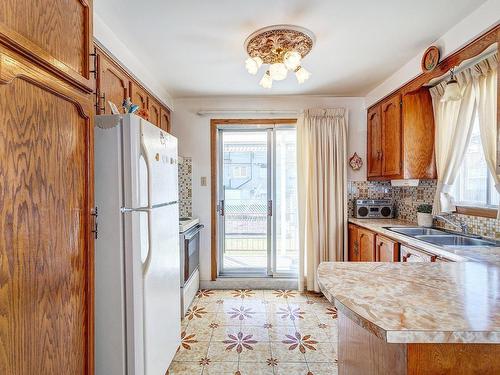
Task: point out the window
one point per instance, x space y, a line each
474 184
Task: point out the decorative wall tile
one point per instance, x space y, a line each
407 199
186 187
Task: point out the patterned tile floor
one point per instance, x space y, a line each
257 332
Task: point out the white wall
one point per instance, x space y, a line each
118 49
475 24
193 132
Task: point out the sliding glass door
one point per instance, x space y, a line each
257 207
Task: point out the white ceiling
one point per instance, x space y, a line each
195 47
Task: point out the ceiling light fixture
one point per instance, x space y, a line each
282 48
452 91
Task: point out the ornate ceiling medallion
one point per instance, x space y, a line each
282 47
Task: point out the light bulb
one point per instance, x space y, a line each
253 64
278 71
302 74
292 60
266 81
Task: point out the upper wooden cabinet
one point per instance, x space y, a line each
154 112
165 119
138 95
113 84
55 34
374 128
400 141
418 140
390 113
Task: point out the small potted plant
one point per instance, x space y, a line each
424 215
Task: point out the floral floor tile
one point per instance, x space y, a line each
252 368
259 351
323 368
218 352
220 368
264 332
291 369
283 354
184 368
193 353
325 352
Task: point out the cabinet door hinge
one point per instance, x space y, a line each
94 213
94 63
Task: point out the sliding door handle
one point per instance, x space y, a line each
270 208
221 208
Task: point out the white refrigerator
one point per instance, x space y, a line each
137 266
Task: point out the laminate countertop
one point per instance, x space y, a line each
476 253
446 302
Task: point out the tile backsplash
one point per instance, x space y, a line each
407 199
186 187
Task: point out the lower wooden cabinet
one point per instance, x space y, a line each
366 240
353 253
386 250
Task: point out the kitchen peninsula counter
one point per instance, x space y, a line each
401 315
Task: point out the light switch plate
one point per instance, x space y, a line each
203 181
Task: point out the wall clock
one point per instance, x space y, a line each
430 59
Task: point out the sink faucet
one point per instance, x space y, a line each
459 224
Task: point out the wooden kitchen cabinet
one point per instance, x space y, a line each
374 151
154 112
387 250
113 84
409 254
400 137
138 95
165 119
366 240
361 244
353 251
46 164
390 113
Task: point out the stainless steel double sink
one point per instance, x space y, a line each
442 238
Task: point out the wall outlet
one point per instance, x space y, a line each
203 181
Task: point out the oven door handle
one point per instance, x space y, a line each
193 232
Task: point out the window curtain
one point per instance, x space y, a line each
453 121
485 87
322 192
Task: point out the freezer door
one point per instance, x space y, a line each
159 155
161 275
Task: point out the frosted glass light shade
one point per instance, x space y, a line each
292 60
302 75
266 81
278 71
253 64
452 92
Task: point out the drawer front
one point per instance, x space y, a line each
409 254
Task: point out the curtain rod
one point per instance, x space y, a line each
473 61
207 112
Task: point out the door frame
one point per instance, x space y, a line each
214 175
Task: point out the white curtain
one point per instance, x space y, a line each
485 87
453 120
322 179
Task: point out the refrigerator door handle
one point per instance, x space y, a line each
147 261
125 210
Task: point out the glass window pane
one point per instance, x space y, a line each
286 210
471 184
245 198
